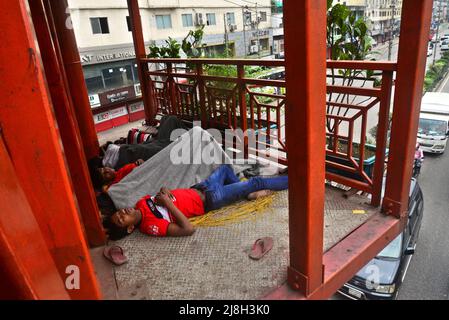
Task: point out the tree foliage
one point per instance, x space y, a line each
347 39
191 46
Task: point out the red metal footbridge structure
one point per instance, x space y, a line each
48 212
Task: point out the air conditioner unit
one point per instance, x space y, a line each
199 21
232 27
254 49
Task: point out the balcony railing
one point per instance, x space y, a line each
252 96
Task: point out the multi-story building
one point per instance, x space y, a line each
357 6
383 18
104 39
277 24
440 12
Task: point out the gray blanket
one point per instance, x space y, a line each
187 161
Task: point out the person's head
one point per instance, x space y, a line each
102 176
107 174
122 223
418 146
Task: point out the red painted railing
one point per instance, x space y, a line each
247 100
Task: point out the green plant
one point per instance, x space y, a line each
192 43
347 39
436 73
171 50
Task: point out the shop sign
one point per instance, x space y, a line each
111 114
136 107
119 112
102 117
117 95
137 90
94 100
107 57
260 33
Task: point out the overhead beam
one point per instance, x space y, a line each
139 47
68 126
27 268
32 139
75 76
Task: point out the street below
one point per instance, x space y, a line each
428 275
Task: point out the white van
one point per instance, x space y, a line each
434 122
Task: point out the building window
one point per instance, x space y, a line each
187 20
128 22
211 21
109 76
247 18
99 25
230 17
163 21
263 16
264 44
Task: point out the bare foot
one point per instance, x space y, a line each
259 194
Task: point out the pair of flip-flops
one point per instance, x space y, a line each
260 248
115 254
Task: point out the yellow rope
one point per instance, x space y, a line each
239 212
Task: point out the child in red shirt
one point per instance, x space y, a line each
168 213
105 177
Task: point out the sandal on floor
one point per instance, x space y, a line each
261 247
115 255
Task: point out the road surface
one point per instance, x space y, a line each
428 275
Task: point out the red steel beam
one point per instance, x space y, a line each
75 77
37 156
415 25
382 136
348 256
68 128
305 51
27 268
139 47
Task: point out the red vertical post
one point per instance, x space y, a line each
31 137
75 76
202 93
171 86
242 104
139 47
68 127
28 271
415 25
305 53
381 139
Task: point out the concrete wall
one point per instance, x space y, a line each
116 12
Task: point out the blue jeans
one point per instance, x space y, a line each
223 187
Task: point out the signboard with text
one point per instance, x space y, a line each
117 95
94 100
136 107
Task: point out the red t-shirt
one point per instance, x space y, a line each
123 172
154 223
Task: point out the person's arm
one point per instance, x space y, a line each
182 227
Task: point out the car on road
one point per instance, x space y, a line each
381 278
429 49
433 129
445 45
